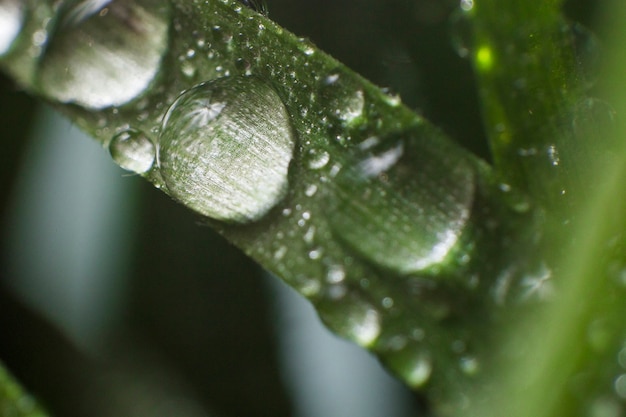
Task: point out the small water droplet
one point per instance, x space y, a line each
317 158
280 253
416 370
308 287
387 302
351 107
553 155
469 365
353 319
133 151
225 149
331 79
77 66
394 206
310 190
336 274
11 21
620 386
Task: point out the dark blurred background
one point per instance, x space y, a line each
114 301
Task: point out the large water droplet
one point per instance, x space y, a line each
403 203
133 151
225 149
105 53
355 320
11 21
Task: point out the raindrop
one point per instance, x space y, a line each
225 149
317 158
11 21
415 368
105 53
133 151
353 319
403 203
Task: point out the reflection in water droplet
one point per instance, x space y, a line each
103 59
11 21
354 320
403 203
225 149
133 151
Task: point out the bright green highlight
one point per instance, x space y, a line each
484 58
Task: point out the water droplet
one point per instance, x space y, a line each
351 107
553 155
415 368
336 274
107 59
133 151
11 21
620 386
466 5
387 302
403 203
317 158
225 149
331 79
308 287
469 365
354 320
310 190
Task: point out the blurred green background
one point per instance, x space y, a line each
115 301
